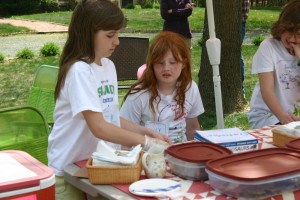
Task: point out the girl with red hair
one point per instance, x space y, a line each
166 98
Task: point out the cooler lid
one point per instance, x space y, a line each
257 165
196 152
294 144
20 170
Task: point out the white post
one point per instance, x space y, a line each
213 46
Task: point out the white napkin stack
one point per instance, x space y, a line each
106 155
292 128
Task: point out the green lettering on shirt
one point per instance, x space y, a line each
106 89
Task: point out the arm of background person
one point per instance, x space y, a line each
164 8
266 81
192 124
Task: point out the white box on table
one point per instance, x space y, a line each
232 138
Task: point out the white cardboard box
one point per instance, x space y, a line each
232 138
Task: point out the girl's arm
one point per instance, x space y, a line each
192 124
266 81
130 126
109 132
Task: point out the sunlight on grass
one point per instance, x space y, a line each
8 28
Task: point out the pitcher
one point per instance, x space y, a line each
154 162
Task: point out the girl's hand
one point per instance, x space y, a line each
296 49
287 118
149 142
160 136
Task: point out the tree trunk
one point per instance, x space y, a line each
228 29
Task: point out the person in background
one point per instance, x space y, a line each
245 12
275 96
86 94
175 14
166 98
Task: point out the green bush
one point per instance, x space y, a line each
148 6
2 57
25 53
257 40
73 3
50 49
200 42
146 3
130 6
17 7
156 6
49 5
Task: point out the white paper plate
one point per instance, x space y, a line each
154 187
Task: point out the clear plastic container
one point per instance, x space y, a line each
188 170
187 160
256 175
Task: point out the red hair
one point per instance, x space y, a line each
162 43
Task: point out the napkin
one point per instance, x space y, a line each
105 154
292 128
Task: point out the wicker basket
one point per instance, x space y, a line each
281 139
114 174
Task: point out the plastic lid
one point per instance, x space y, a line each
257 165
294 144
28 171
196 152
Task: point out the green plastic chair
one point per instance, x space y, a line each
41 95
26 129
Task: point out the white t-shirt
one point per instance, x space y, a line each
273 57
87 87
136 108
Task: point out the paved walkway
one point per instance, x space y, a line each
38 26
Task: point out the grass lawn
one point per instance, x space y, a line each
16 77
8 28
150 19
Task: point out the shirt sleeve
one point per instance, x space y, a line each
194 98
177 14
262 60
82 90
132 109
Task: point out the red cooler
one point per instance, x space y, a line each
22 177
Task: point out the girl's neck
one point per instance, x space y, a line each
98 61
166 89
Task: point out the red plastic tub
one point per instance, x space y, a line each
22 177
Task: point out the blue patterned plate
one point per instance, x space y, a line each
154 187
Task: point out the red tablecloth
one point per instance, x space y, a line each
202 190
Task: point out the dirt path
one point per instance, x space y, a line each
38 26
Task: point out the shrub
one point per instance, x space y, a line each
200 42
148 6
156 6
49 5
25 53
16 7
257 40
50 49
73 3
130 6
146 3
2 57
